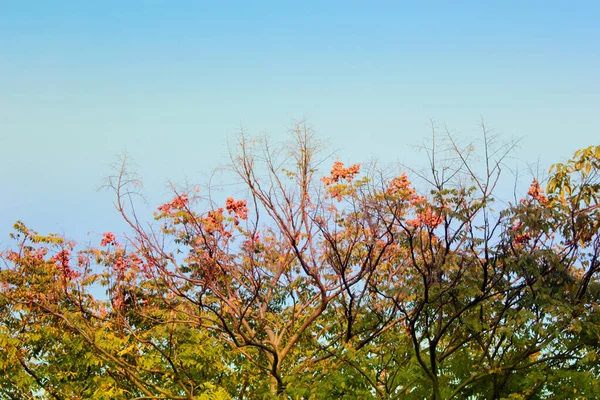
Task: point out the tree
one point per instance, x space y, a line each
355 285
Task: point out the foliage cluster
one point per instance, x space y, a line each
352 285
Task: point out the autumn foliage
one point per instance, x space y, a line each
357 284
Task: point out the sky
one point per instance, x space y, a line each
171 82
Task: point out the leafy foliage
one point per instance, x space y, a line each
355 285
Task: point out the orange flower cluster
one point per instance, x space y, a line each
123 262
213 222
120 264
109 238
178 203
12 255
522 238
536 192
238 208
339 172
135 260
401 186
427 218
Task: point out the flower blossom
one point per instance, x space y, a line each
178 203
120 264
62 258
237 207
523 238
427 218
339 172
213 222
536 192
398 184
401 185
109 238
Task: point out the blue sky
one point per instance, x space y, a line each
170 81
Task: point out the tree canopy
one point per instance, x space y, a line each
354 284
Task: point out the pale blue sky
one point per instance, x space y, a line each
171 80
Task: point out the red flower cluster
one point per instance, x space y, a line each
109 238
120 264
237 208
178 203
339 172
62 258
39 253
